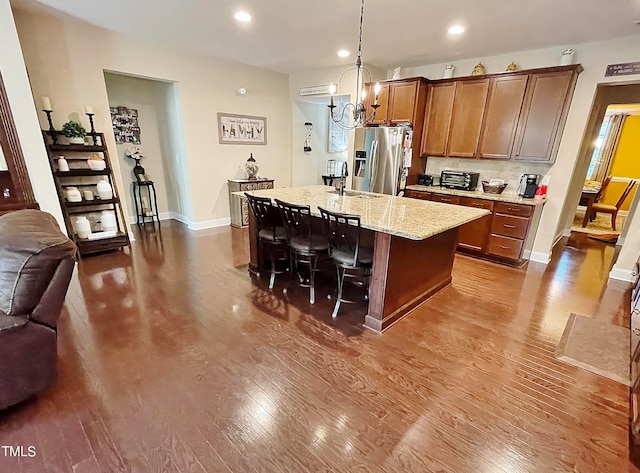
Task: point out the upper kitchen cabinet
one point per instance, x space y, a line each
438 119
504 103
544 113
383 101
401 101
466 120
517 115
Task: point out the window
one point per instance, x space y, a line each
595 157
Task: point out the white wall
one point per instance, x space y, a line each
594 57
66 59
308 168
322 77
149 98
24 112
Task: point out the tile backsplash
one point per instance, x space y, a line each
510 171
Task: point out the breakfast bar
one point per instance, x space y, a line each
414 243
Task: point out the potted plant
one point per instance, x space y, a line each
74 132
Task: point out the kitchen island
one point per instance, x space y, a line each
414 243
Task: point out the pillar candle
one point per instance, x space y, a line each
46 104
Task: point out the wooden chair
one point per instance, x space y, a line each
613 209
305 245
600 192
351 259
271 233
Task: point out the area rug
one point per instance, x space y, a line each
605 237
601 348
601 224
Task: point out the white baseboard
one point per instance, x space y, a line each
163 216
540 257
621 274
566 232
203 225
526 254
195 226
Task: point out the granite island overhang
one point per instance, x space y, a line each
414 243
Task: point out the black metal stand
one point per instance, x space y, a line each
153 204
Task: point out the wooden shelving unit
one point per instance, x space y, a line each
82 177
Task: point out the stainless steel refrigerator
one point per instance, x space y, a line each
382 167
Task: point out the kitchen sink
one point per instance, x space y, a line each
355 194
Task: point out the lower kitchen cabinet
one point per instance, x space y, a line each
500 236
473 235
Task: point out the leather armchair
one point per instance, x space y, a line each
36 263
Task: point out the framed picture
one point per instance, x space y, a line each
338 136
125 125
241 129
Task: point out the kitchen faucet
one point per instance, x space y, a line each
341 181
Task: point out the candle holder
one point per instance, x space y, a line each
93 130
52 130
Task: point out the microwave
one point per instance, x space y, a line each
460 180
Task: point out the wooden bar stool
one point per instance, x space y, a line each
351 259
270 234
305 245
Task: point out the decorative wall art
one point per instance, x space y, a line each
241 129
125 125
338 135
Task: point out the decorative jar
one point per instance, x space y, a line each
105 191
73 194
251 167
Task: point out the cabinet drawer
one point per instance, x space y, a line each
514 227
446 199
477 203
419 195
505 247
514 209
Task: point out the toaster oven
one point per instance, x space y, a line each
461 180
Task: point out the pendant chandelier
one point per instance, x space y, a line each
341 111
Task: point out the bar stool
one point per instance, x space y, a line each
269 233
351 259
305 246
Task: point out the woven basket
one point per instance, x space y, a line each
493 189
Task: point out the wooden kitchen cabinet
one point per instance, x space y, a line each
504 103
473 235
402 101
418 195
543 115
467 115
438 119
383 101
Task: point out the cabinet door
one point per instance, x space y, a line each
468 110
474 235
402 101
438 119
383 101
504 103
542 115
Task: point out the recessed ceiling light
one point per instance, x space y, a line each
242 16
344 53
456 29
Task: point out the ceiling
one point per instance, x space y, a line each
292 35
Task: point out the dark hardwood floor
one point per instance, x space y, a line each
174 359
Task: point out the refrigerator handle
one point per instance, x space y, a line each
373 168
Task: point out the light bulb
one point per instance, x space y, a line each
377 88
332 88
363 94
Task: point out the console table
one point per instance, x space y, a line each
238 205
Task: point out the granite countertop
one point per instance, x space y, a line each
478 194
408 218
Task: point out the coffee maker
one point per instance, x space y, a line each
528 185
